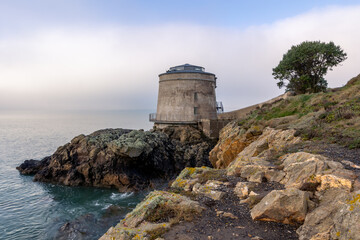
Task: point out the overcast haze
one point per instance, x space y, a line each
106 55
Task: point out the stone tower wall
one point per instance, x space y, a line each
180 93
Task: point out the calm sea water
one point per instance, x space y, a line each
32 210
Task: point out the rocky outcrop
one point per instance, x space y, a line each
318 192
153 216
31 167
123 159
233 139
299 188
260 151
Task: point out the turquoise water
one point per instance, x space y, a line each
32 210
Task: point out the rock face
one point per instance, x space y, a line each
31 167
264 147
233 139
123 159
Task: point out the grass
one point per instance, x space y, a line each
333 116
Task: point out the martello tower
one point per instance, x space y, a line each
186 95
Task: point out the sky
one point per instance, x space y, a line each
107 55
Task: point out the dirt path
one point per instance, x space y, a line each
216 222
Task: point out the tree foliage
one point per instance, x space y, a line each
305 65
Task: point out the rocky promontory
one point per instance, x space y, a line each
288 170
124 159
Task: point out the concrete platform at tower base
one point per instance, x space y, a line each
210 127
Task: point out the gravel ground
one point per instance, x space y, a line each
213 226
336 153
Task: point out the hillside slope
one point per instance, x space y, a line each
333 116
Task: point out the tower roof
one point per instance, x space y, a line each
187 68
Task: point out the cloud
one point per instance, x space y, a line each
117 67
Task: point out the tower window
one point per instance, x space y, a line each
195 96
196 111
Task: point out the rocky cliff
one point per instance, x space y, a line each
272 180
124 159
288 170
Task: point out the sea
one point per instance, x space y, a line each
34 210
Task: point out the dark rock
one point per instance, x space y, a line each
31 167
124 159
81 228
113 211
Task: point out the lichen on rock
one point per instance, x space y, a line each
204 181
153 216
257 152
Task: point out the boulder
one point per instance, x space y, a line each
185 134
272 140
347 219
286 206
312 172
301 168
254 173
188 178
211 189
119 233
242 189
328 181
153 216
82 227
226 215
205 181
235 168
191 176
274 175
319 222
254 198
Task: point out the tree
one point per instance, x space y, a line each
305 65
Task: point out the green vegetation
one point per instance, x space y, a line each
333 117
287 108
305 66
